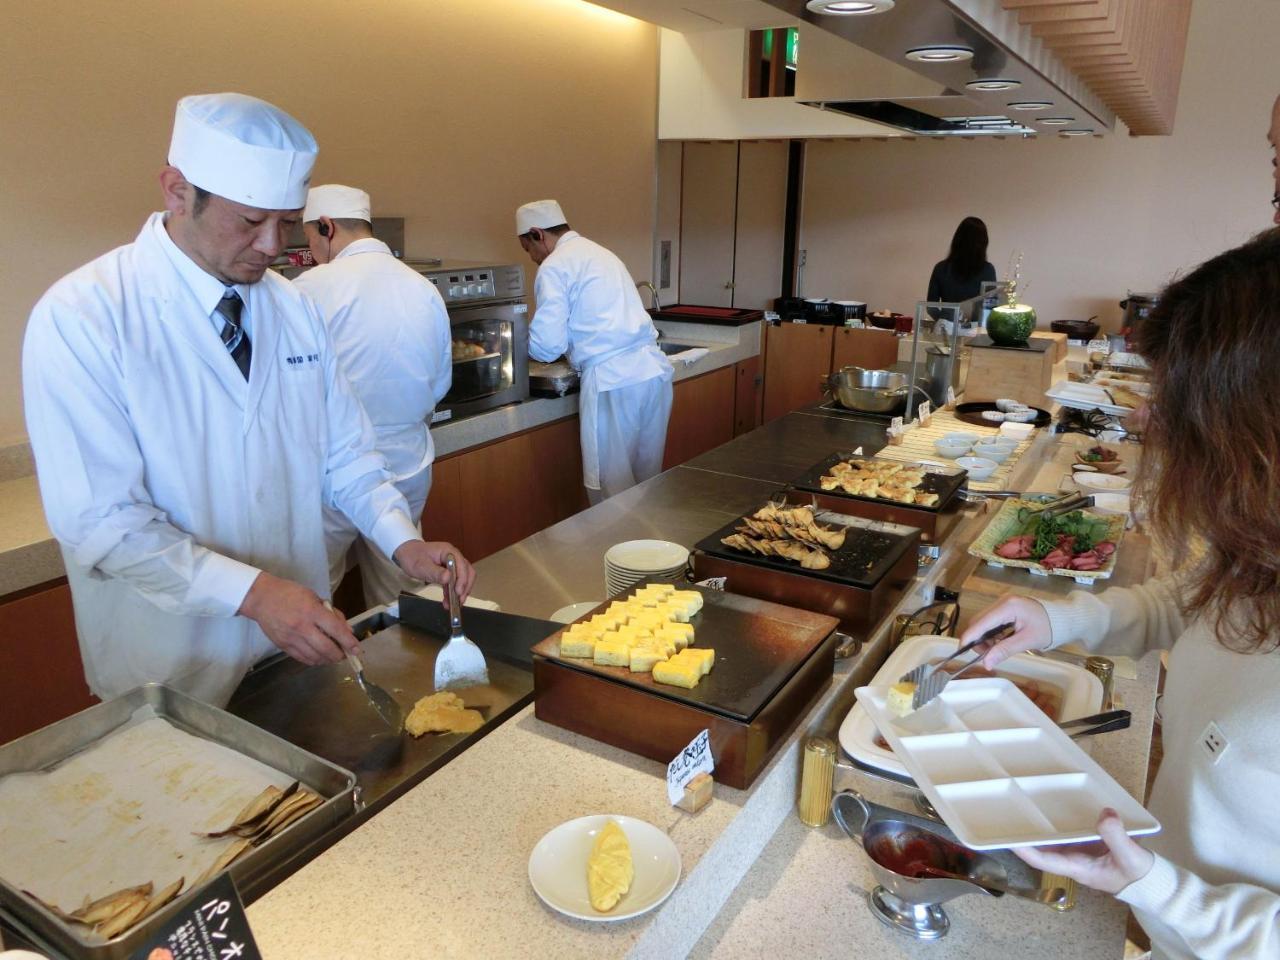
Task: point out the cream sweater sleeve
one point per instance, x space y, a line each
1225 922
1126 621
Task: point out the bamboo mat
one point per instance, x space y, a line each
917 444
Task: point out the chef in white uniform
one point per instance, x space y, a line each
589 309
391 331
189 418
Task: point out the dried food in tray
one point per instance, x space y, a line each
869 550
934 479
999 772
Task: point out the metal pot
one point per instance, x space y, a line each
868 391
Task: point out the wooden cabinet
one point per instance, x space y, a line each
702 415
749 394
797 360
41 675
485 499
873 349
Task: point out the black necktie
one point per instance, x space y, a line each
233 336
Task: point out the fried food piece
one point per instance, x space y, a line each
442 712
926 499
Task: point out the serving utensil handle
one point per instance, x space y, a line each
455 613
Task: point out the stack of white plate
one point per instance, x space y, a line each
627 563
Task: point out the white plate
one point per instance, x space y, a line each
998 771
1083 396
573 611
1109 503
1106 482
646 555
558 867
1081 693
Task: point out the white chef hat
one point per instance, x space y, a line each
244 149
539 213
337 202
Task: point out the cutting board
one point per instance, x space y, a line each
772 663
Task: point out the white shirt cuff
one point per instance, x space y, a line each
1154 891
220 586
392 530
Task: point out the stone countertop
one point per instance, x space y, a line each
725 346
807 894
28 553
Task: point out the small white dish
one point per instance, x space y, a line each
995 416
1021 415
952 449
1112 503
1005 405
573 611
969 438
994 449
980 468
1100 481
558 867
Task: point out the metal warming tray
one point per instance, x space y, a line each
934 523
57 742
772 662
862 583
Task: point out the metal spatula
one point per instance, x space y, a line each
389 710
460 663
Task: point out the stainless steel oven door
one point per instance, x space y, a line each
490 357
483 359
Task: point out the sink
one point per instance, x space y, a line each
669 347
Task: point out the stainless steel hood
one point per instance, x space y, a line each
857 65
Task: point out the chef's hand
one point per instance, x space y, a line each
1031 628
297 621
1109 865
424 560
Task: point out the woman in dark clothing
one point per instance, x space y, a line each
960 276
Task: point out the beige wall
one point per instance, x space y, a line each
1092 217
450 112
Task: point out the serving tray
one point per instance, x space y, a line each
940 480
998 771
1004 525
1077 691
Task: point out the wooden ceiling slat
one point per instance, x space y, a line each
1129 52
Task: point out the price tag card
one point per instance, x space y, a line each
951 397
212 927
895 425
924 412
694 759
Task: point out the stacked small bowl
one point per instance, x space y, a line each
627 563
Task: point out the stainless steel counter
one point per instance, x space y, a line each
565 563
781 450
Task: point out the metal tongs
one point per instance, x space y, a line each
1075 501
930 679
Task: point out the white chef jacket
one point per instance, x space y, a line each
391 330
170 481
589 308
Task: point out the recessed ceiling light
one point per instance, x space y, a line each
1031 104
1077 132
849 8
993 83
1056 121
941 53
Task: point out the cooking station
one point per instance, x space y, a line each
454 818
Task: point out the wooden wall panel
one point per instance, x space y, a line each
702 414
797 360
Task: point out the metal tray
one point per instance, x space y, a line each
944 484
870 551
51 745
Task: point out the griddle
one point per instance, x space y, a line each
867 555
944 485
758 645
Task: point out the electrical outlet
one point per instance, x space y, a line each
1214 742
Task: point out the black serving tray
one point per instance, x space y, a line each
945 485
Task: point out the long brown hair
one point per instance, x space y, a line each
1213 438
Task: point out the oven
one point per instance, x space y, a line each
489 326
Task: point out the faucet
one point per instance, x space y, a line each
657 304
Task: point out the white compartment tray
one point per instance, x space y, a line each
1078 691
999 772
